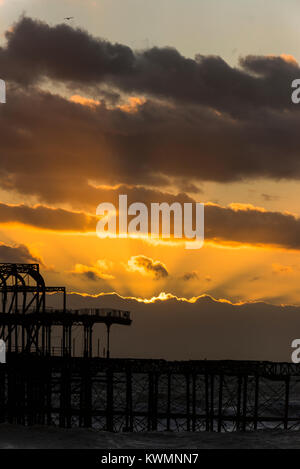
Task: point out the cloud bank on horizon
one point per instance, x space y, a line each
177 329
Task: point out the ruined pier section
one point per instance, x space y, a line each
28 325
67 386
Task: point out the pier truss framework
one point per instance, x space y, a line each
149 395
27 324
39 387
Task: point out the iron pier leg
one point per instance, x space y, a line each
107 343
245 402
220 403
287 398
256 401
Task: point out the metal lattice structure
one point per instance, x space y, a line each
150 395
37 386
26 324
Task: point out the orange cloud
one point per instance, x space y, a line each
97 271
236 206
289 58
92 103
133 104
286 57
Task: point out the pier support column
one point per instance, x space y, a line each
88 338
152 400
188 402
169 378
108 340
129 416
66 345
245 397
48 340
109 401
287 399
194 402
212 402
256 401
220 403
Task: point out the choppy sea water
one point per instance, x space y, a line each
37 437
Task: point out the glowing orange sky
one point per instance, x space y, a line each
57 221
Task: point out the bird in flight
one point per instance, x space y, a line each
68 18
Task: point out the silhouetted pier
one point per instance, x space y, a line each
26 324
149 395
39 387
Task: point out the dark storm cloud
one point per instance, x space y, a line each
47 218
17 253
203 120
51 147
252 226
36 50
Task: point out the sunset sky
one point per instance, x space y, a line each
165 101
